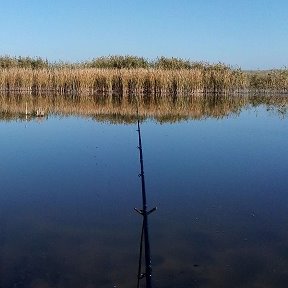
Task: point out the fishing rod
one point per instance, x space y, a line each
145 231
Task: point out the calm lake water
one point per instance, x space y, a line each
69 186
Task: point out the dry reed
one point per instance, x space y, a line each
130 74
122 81
144 81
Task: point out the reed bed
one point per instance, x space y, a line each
155 82
114 109
122 81
126 75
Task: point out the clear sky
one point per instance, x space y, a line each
250 33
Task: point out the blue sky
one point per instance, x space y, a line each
250 33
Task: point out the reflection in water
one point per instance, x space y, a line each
116 109
69 185
144 212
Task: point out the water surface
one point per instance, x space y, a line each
69 186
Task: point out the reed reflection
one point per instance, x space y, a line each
119 109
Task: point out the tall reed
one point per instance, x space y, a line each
127 75
123 81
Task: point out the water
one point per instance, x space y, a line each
69 186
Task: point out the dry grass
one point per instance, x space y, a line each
127 75
123 81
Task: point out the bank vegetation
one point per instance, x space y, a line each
126 75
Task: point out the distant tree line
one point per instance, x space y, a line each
107 62
23 62
131 62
